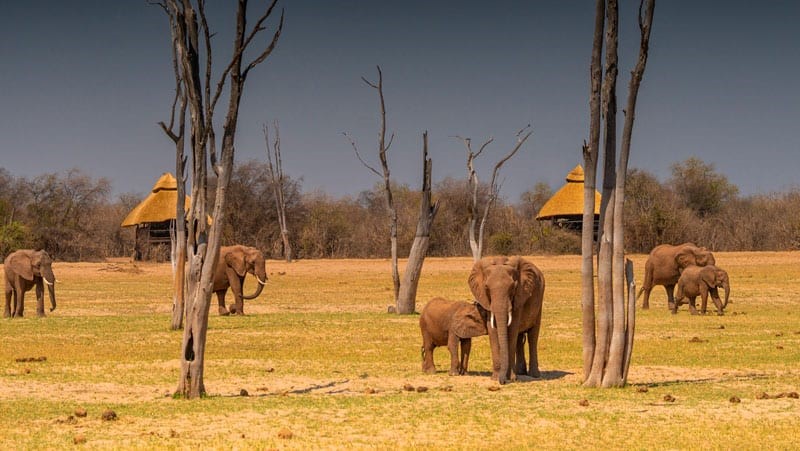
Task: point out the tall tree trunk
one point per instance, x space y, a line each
590 156
615 322
406 301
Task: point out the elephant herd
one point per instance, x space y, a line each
508 295
26 268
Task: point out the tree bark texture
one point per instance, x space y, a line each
406 301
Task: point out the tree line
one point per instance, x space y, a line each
73 216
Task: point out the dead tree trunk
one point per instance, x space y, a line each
608 338
191 30
178 228
383 149
406 302
277 180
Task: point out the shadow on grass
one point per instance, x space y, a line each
545 375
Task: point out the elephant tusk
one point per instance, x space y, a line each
261 281
509 319
492 322
47 282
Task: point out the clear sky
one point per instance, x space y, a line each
84 83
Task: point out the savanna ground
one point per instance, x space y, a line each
324 366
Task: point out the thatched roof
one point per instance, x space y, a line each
568 201
159 205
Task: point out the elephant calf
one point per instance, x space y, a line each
700 281
452 323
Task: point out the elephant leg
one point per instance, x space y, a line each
703 298
221 301
717 300
513 337
671 296
646 300
7 310
452 346
533 352
427 355
19 302
521 366
39 298
466 347
693 306
237 296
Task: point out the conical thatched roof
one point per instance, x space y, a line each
568 201
159 205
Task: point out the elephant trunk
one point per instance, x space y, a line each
500 321
260 287
726 285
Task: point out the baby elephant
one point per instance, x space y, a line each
700 281
445 322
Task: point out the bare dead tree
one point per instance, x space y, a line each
191 31
383 149
608 337
476 241
176 132
277 180
404 293
406 301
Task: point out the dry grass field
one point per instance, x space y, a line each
317 364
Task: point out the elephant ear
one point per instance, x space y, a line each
22 264
722 276
467 322
477 284
235 260
709 276
527 277
684 258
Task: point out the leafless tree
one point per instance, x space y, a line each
176 132
383 149
405 292
277 180
476 241
608 337
192 41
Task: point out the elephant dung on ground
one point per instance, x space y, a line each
512 290
25 269
664 266
233 264
700 281
445 322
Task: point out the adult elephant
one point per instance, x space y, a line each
233 264
511 289
664 266
700 281
25 269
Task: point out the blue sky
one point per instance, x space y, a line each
84 84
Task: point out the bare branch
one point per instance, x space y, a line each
268 50
358 155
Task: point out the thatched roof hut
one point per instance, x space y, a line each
152 218
565 208
158 206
